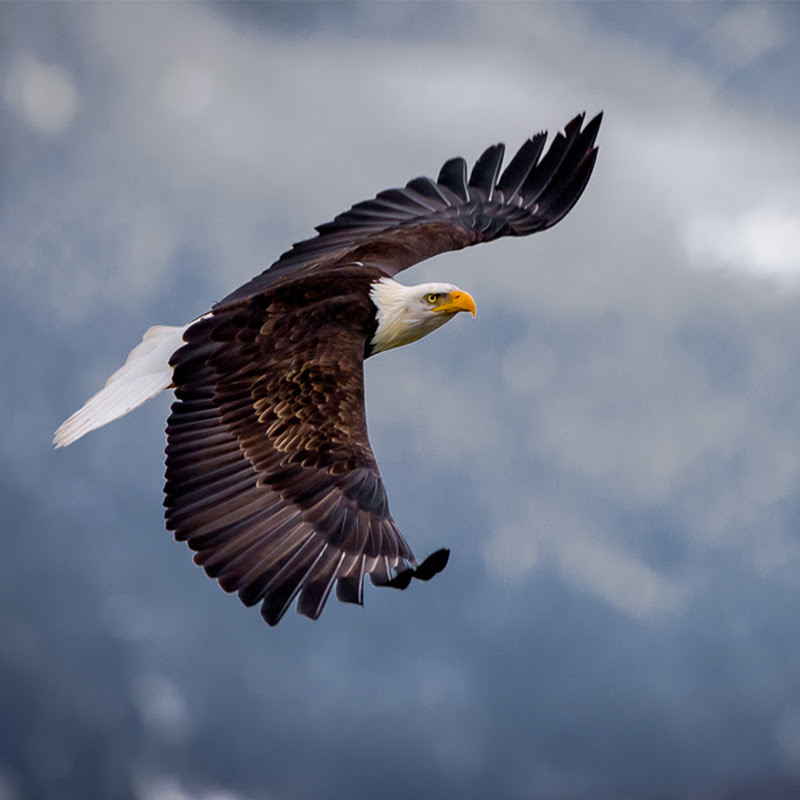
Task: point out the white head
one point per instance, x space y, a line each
407 313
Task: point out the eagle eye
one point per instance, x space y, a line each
432 297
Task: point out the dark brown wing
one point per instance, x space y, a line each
270 476
401 227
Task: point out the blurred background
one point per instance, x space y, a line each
611 449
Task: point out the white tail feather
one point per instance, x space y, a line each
145 373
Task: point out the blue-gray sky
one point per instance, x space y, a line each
611 449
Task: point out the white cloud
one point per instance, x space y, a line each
44 94
189 89
162 705
745 33
620 579
762 241
550 536
513 551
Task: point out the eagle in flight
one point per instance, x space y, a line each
270 477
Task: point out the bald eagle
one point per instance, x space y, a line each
270 477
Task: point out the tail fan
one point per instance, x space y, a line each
145 373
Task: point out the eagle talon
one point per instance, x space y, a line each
401 580
432 565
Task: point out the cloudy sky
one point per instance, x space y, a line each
611 449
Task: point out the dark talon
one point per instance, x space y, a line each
431 566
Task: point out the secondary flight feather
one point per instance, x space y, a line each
270 477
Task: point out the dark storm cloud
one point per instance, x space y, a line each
609 448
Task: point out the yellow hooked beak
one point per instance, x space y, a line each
457 301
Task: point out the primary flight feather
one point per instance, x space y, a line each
270 477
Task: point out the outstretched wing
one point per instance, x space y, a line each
270 476
401 227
